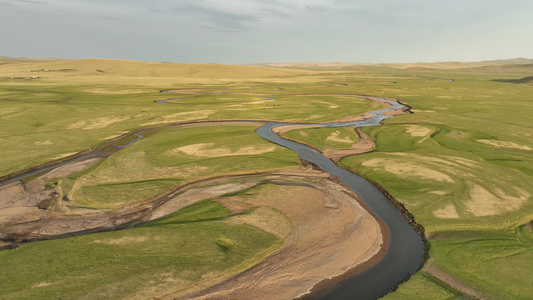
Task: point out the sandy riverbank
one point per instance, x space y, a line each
332 235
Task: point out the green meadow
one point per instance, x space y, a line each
164 255
462 164
322 138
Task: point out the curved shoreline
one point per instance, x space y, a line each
317 289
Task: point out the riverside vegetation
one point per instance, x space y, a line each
462 164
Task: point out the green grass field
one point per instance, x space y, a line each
462 164
160 256
322 138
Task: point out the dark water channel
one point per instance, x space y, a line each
406 249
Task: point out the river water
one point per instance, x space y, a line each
406 249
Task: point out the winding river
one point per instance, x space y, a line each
406 249
405 252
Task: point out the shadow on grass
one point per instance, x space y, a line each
527 80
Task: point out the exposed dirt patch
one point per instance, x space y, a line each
72 168
19 214
504 144
303 133
24 202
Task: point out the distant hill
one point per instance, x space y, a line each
513 61
515 65
22 67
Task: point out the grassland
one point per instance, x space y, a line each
462 164
189 246
172 157
323 138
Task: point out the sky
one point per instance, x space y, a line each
268 31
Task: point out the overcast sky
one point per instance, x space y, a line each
256 31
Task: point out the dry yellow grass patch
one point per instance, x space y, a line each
401 168
113 136
335 137
434 160
329 104
422 111
417 131
116 92
450 97
208 150
447 212
135 161
485 203
122 241
97 123
9 110
259 101
463 161
504 144
182 116
63 155
42 284
440 193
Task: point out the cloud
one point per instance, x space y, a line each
219 19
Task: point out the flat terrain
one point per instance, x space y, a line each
205 202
